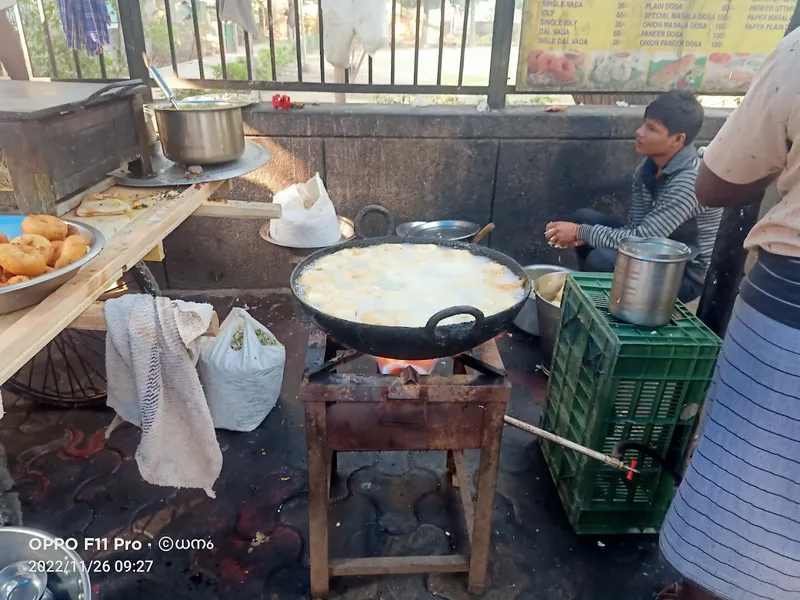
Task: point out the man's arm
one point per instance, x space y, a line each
677 206
750 151
715 191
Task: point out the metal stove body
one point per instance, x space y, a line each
351 412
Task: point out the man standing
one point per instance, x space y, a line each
664 202
733 530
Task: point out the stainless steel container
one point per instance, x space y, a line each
528 319
206 132
64 581
647 278
16 297
548 309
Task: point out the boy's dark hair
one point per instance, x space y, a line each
679 111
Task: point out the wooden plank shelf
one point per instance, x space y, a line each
129 238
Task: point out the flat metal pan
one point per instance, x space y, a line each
414 343
444 230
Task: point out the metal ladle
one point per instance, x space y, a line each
162 84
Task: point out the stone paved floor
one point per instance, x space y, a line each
74 484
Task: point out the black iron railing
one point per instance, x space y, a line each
473 53
189 40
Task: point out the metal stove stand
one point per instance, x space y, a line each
348 412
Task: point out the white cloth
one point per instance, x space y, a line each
344 19
240 12
151 353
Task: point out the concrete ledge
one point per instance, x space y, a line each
399 121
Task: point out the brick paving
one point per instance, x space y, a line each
63 477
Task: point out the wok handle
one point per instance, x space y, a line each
459 333
373 208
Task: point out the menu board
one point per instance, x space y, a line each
713 46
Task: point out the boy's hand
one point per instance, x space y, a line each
562 234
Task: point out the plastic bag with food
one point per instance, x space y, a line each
308 217
241 371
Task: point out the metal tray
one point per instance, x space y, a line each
168 173
444 230
23 295
345 226
403 229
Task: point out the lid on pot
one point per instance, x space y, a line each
655 249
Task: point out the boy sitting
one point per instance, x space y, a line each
664 203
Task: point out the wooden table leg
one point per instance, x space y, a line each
318 474
484 503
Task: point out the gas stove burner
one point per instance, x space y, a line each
168 173
395 366
336 356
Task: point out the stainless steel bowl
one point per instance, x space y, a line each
528 318
549 312
202 132
23 295
24 544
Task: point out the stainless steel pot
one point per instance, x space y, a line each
206 132
528 319
647 278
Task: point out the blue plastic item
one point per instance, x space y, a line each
11 225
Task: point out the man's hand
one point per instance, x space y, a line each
562 234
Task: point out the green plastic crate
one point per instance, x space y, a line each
612 381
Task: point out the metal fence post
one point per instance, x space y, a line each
502 32
130 20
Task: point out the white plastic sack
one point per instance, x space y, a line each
241 13
344 19
337 37
241 371
370 23
308 217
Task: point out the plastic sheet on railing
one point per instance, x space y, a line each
345 19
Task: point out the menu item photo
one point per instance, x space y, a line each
668 71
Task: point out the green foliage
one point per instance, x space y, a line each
262 65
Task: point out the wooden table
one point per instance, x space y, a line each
129 238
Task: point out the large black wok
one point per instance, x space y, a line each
413 343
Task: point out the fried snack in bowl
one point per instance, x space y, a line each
47 226
17 279
74 248
22 260
37 242
3 238
56 245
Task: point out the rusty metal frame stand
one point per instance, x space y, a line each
355 412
